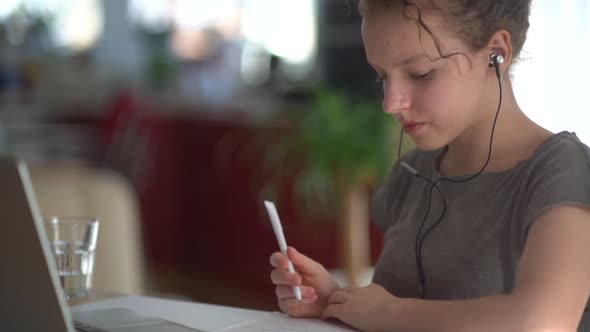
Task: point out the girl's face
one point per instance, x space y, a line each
435 101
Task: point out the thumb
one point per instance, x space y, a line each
302 263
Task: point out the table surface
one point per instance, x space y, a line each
210 317
201 316
93 296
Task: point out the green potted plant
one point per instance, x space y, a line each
338 148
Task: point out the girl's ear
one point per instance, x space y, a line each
501 43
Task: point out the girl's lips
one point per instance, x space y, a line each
412 127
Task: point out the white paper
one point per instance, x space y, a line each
278 322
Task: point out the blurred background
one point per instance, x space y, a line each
171 121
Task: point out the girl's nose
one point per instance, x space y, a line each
396 98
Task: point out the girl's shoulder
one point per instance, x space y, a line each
560 152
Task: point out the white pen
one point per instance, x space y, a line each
278 229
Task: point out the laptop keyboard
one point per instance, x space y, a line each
81 327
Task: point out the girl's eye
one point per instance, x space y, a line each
419 77
424 76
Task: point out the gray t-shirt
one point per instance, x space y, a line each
476 248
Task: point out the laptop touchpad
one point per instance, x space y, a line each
106 318
118 319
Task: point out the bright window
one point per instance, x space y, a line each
72 25
551 83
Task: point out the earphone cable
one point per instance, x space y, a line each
434 185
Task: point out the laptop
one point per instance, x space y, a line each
31 298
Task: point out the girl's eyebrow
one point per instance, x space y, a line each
407 60
412 58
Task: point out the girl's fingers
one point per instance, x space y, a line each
307 307
308 294
278 260
284 277
338 297
302 263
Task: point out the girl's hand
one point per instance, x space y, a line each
366 308
315 282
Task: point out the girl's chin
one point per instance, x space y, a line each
428 145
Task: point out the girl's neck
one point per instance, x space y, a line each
516 137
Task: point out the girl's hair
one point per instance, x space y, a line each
474 21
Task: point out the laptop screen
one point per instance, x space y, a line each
31 296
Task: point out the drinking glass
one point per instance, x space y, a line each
73 242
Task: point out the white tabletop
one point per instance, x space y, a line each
201 316
210 317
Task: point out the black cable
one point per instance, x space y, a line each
418 243
434 185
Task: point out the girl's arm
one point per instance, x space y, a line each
551 291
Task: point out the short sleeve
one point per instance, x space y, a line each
559 175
